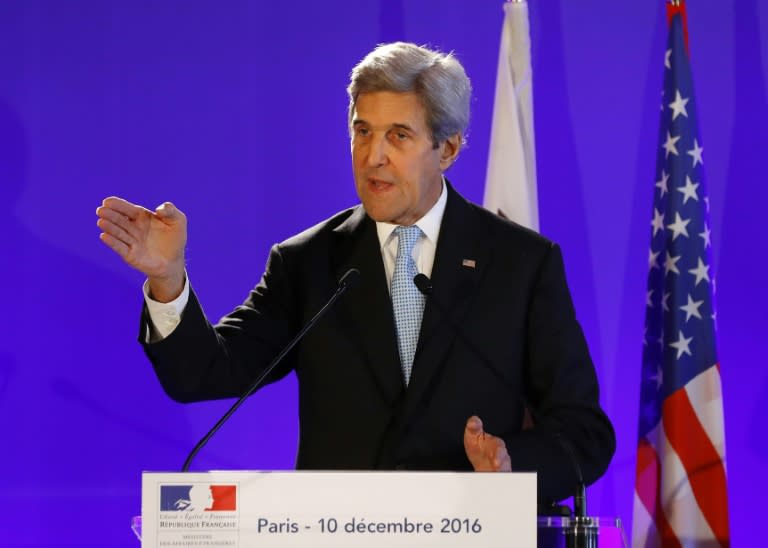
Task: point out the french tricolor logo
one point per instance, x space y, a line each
199 497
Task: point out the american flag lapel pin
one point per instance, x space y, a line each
469 263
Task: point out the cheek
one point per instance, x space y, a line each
358 154
414 170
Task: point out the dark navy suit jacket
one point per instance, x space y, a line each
512 304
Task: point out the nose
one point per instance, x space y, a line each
377 151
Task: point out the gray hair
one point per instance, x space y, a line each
437 78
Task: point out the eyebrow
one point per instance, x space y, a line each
393 126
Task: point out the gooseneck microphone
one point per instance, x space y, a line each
424 284
349 280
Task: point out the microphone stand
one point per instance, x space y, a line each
348 280
582 529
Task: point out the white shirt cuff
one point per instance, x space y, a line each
164 317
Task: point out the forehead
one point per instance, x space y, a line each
387 108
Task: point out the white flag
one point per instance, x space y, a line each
510 184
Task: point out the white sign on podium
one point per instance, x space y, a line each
338 509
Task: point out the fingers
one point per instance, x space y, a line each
116 245
494 453
115 231
118 222
115 218
498 455
132 211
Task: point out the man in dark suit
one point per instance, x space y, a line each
388 380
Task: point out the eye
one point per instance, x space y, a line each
362 131
399 135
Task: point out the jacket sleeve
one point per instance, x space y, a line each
200 361
561 392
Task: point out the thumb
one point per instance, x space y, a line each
474 426
167 211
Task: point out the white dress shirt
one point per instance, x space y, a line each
165 317
426 245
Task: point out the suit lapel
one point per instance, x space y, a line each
368 309
460 259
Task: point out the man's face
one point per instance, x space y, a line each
398 173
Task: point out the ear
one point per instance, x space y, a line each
449 150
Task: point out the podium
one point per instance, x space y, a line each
338 509
351 509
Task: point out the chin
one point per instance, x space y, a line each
376 216
379 215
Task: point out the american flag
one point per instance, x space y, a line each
680 486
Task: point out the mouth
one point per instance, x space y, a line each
378 185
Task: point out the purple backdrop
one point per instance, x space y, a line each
236 112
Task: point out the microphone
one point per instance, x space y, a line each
350 279
423 284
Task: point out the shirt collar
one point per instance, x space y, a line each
429 223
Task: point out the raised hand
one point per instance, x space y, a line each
486 452
150 241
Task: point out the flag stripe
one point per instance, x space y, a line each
700 459
704 392
677 502
648 487
644 531
648 474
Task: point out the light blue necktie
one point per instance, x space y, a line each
407 300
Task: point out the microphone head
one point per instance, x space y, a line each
350 279
423 284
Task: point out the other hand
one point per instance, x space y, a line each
486 452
